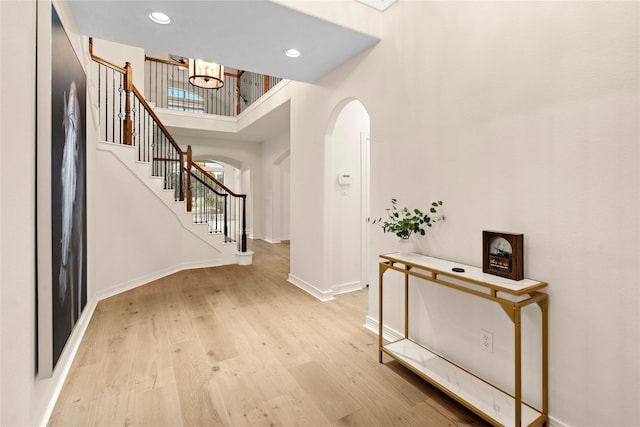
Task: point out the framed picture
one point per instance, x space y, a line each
60 189
503 254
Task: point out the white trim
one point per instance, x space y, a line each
327 211
272 240
388 333
148 278
364 203
348 287
310 289
554 422
66 359
244 258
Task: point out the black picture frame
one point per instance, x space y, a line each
61 236
502 254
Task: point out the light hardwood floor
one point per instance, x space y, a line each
239 346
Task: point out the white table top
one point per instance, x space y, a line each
471 274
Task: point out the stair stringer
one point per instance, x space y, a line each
142 170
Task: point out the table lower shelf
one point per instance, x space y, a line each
478 395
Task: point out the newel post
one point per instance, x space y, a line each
238 92
128 84
243 242
189 161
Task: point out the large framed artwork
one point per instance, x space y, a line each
61 184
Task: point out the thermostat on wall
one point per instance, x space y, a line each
344 179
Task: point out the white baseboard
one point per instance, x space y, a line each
271 240
388 333
71 347
66 358
148 278
347 287
554 422
310 289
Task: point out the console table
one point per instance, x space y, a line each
495 405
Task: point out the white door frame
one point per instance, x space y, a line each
364 203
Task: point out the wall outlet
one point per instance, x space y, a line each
486 340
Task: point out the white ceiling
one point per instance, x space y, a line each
247 35
240 34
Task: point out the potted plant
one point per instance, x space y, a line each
405 222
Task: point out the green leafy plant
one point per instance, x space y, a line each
404 222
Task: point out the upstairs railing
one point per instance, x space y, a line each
126 118
167 85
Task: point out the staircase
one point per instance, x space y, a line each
133 133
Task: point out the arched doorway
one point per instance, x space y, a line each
347 195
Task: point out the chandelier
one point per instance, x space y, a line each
207 75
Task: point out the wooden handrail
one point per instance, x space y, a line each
208 175
103 61
203 182
134 89
156 119
238 95
128 85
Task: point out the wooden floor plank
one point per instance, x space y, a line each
193 376
329 394
240 346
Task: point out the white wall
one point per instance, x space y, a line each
540 98
119 54
345 201
285 198
137 237
17 211
273 152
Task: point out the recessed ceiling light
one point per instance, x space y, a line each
292 53
159 18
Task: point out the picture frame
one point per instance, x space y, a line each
61 227
502 254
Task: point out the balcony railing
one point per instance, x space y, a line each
167 86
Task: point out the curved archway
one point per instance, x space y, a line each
232 170
220 159
280 227
347 194
282 157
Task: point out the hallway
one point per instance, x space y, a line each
240 346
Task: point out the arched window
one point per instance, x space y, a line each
184 100
215 169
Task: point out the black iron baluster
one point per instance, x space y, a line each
106 104
113 104
226 219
